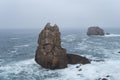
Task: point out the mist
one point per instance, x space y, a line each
67 14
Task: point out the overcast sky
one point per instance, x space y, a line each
65 13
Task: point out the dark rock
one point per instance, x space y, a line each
80 69
99 79
99 60
77 66
104 79
108 76
49 53
95 31
76 59
107 33
79 74
119 52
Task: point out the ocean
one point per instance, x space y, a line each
17 51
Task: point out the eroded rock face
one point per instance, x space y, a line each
95 31
49 53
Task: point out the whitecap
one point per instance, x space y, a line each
69 38
16 67
14 38
81 46
13 51
101 70
32 71
26 45
113 35
93 71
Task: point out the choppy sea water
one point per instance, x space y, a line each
17 50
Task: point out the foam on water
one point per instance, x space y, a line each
97 70
29 70
81 45
18 70
69 38
113 35
105 66
26 45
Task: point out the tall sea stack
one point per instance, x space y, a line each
50 54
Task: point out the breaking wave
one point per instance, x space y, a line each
29 70
113 35
22 46
103 51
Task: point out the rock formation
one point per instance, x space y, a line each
50 54
107 33
95 31
75 59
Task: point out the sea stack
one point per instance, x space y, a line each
95 30
50 54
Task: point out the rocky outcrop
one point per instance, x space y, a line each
95 31
76 59
50 54
107 33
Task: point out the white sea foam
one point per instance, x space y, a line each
81 46
94 71
26 45
30 70
13 51
112 35
16 67
69 38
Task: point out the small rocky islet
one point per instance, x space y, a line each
50 54
95 30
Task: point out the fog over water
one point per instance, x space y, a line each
72 14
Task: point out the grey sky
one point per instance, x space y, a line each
65 13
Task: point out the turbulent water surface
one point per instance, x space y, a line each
17 50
